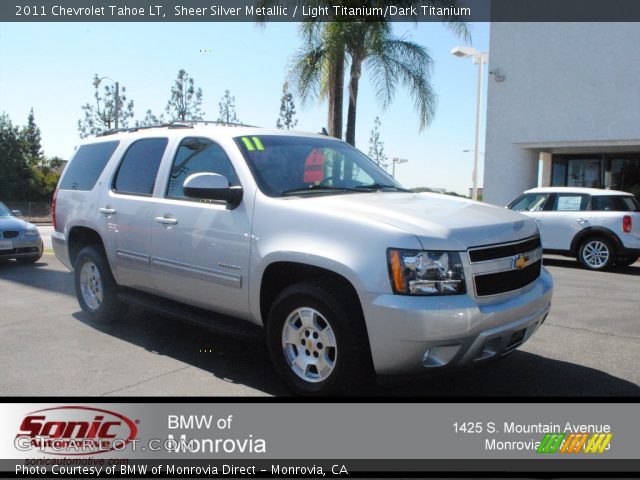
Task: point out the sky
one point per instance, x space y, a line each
52 66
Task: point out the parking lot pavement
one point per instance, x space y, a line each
589 345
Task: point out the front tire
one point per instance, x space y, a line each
318 342
96 289
596 253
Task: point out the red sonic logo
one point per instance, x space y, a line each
72 430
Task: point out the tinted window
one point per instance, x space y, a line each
613 203
607 204
530 202
139 167
632 203
87 165
196 155
570 202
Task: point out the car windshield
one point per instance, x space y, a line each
290 165
4 211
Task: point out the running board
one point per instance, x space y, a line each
216 322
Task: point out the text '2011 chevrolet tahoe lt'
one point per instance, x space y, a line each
303 237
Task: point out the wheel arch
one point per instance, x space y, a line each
80 237
279 274
594 232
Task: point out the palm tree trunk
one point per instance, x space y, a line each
356 70
336 95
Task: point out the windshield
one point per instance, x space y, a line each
287 165
4 211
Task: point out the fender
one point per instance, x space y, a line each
594 231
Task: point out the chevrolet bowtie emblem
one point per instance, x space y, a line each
520 261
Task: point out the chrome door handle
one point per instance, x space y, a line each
107 210
582 220
167 220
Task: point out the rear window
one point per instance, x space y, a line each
139 168
614 203
86 166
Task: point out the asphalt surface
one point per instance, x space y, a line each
589 346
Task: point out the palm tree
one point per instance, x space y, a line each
391 60
318 68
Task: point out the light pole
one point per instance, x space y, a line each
393 162
96 83
479 58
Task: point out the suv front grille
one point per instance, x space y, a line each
10 234
506 281
493 252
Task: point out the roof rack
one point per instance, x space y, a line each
182 124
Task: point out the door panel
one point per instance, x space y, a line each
127 208
203 258
567 216
201 247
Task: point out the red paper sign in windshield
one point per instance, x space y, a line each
314 167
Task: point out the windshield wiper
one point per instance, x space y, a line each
317 189
381 186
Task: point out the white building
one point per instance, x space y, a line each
563 107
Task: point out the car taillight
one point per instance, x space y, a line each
626 224
53 208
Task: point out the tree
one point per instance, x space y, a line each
15 174
186 100
317 70
391 60
228 109
376 146
101 116
31 138
150 119
286 119
367 42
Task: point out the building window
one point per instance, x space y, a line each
613 171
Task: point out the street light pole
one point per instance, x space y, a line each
118 105
479 58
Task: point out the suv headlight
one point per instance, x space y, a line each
420 272
32 232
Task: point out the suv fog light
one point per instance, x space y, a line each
439 356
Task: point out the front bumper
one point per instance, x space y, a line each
411 334
23 246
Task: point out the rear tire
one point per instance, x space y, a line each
596 253
96 289
318 342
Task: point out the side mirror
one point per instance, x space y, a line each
17 213
212 186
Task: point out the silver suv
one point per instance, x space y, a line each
303 237
599 227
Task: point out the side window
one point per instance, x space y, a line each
196 155
570 202
86 166
139 167
530 202
606 204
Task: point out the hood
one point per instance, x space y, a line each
439 221
13 223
